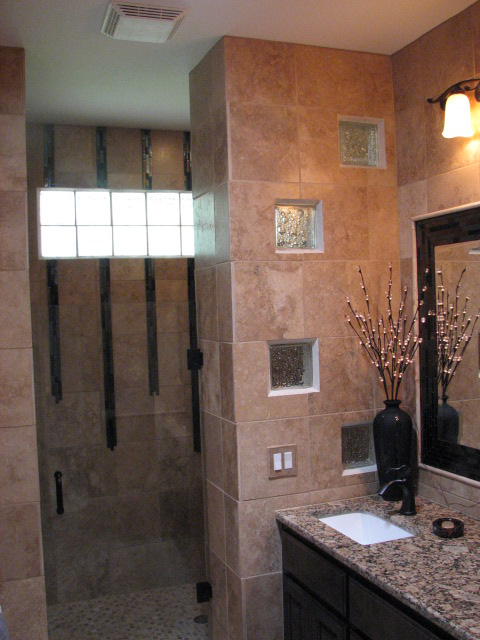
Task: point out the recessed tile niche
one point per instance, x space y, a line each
357 447
293 367
298 225
362 142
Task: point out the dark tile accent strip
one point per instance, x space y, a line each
192 321
151 307
49 155
54 330
101 145
146 157
107 344
187 166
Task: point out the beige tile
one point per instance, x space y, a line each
16 401
172 398
210 378
206 296
136 467
15 310
346 378
222 223
134 402
13 173
204 230
167 155
386 177
412 201
76 179
263 143
217 63
383 223
254 438
252 219
212 427
326 451
130 318
24 608
21 544
218 577
259 71
453 189
12 63
227 389
230 459
342 493
81 361
201 91
232 534
12 136
202 146
172 360
171 269
378 85
220 146
18 466
124 151
251 375
268 300
216 520
171 290
263 605
235 606
75 421
75 149
77 282
224 302
128 269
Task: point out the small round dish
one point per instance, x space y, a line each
448 528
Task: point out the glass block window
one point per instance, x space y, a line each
293 366
298 225
357 445
85 223
362 142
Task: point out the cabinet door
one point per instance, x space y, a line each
295 609
324 625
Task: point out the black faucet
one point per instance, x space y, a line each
405 482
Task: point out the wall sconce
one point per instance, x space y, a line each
455 103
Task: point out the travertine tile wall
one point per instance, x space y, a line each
264 126
435 173
22 584
133 517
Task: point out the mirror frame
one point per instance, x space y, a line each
456 227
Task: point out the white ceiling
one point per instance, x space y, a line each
76 75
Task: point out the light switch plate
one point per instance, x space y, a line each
282 473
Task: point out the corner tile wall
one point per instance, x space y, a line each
22 584
264 126
134 515
435 173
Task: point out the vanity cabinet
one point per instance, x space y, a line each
325 600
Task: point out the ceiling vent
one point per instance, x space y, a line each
141 23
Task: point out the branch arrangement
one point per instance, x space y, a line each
454 330
390 343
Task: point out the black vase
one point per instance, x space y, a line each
392 438
448 422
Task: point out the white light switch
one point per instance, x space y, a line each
288 460
277 461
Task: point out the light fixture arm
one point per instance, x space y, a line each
459 87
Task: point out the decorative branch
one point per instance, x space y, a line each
391 345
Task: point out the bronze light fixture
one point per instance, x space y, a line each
454 101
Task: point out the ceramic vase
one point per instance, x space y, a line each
447 421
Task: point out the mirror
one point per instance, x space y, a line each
448 247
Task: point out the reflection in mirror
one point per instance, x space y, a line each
457 285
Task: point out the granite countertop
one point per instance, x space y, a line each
438 577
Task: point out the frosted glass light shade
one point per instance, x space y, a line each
458 122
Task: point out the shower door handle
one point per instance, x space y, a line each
59 491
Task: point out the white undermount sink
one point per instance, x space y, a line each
365 528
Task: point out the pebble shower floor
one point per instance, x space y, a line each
157 614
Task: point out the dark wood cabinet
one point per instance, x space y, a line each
324 600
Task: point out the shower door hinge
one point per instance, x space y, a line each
194 359
204 591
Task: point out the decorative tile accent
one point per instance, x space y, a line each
287 365
295 226
357 445
358 143
166 613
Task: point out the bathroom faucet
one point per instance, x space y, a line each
405 482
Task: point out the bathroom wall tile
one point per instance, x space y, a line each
201 90
212 428
224 301
378 87
345 221
15 310
327 286
220 146
263 142
202 157
230 459
386 177
130 318
76 179
13 173
136 467
319 149
251 374
454 188
259 71
12 63
252 219
346 382
171 398
412 201
174 512
172 361
127 269
170 290
383 223
206 294
174 424
236 605
263 606
326 450
12 136
232 534
217 67
81 364
122 291
124 151
218 577
167 157
77 282
210 378
16 401
172 316
268 300
216 520
253 439
18 466
23 606
77 420
322 75
80 321
130 361
13 231
20 544
222 223
171 269
75 149
204 220
342 493
85 580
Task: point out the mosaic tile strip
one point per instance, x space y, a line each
295 226
358 143
357 445
287 365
